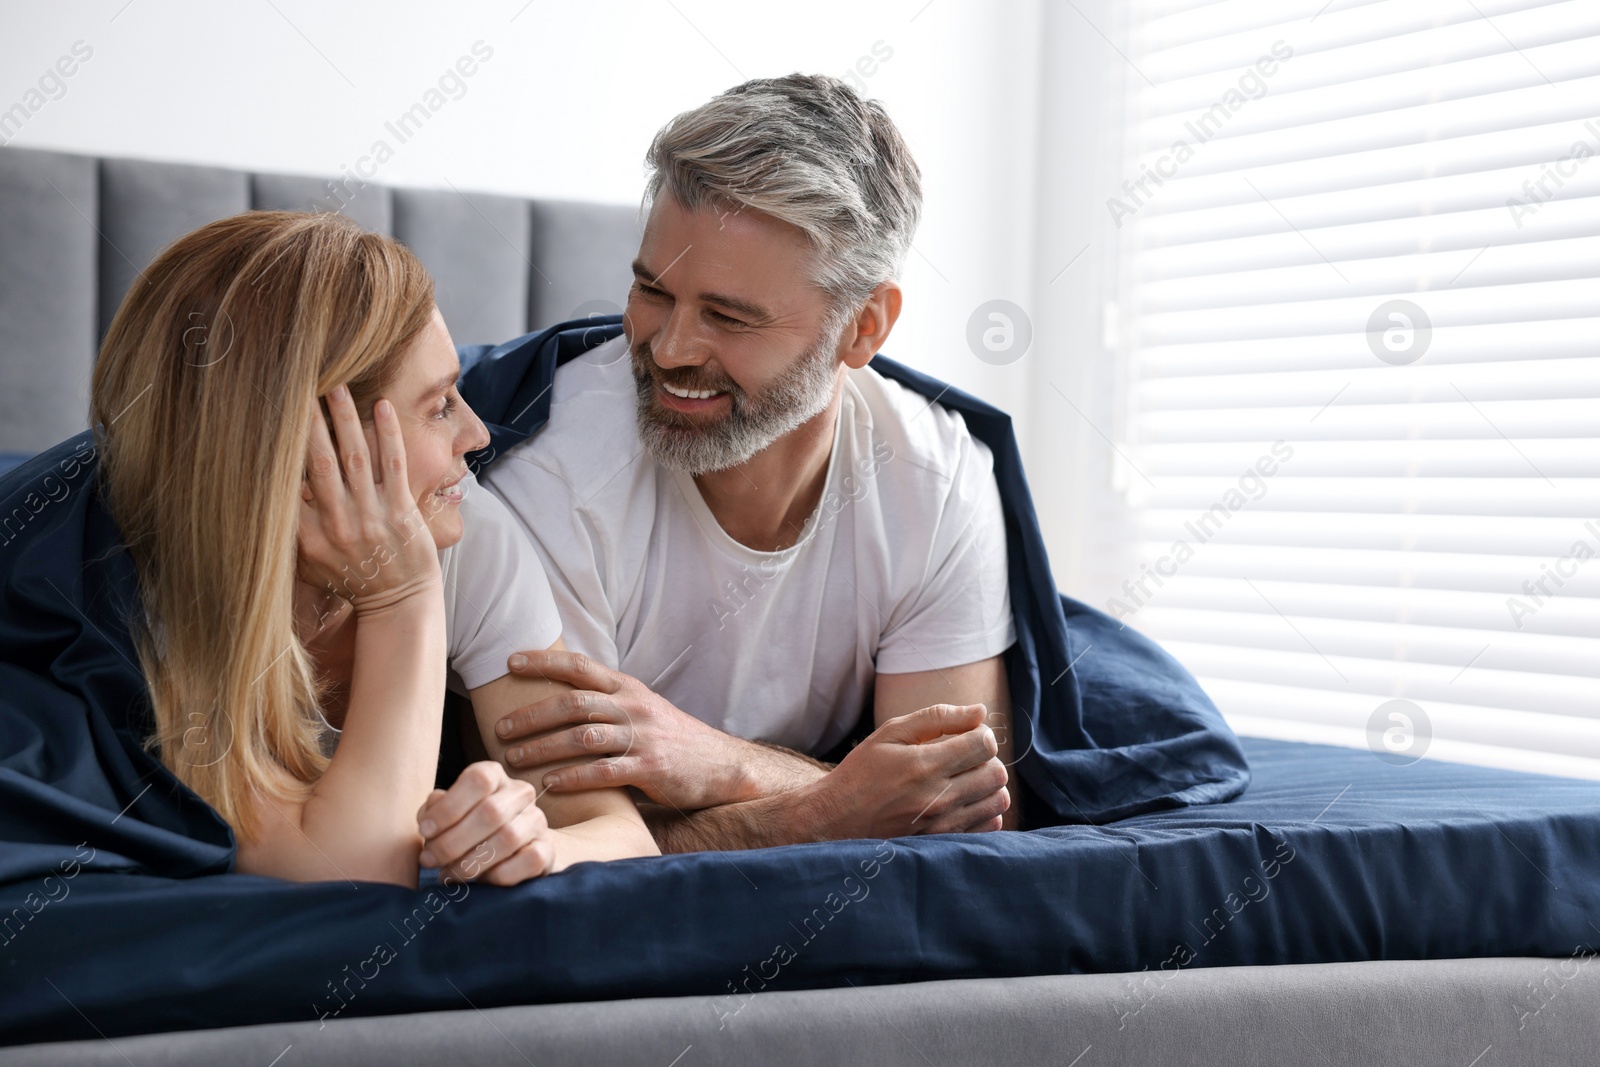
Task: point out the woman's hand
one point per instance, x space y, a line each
361 535
487 827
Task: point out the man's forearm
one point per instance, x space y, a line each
772 769
786 818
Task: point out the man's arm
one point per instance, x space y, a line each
781 819
983 683
803 814
597 728
933 770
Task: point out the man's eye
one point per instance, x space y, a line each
649 291
726 320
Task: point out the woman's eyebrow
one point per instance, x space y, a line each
439 386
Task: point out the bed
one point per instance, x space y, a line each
1339 912
1342 910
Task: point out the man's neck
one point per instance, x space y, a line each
764 502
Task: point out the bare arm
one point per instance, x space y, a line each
983 683
596 824
602 729
763 823
785 813
358 821
970 785
713 791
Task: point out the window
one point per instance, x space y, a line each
1359 251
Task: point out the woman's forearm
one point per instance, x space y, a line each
496 699
362 813
604 837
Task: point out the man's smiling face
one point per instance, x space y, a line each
726 330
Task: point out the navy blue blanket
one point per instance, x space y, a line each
1331 855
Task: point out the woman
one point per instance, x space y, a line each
294 632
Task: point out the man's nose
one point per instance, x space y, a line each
677 344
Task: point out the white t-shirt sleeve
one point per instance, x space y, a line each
569 545
497 598
962 612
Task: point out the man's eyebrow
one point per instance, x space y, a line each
753 312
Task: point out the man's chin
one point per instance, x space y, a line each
691 450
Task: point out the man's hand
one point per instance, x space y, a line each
930 772
641 740
982 682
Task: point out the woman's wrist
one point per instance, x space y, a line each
421 593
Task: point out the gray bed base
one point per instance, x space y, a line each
1436 1013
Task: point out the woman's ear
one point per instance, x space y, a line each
865 333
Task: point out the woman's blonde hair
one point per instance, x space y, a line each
201 401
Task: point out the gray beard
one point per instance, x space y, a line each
753 422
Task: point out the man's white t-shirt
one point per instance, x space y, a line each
902 568
496 597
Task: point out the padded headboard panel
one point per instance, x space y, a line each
76 230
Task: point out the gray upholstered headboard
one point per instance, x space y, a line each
75 230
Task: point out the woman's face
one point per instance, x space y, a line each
438 427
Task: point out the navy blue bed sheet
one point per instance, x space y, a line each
1331 855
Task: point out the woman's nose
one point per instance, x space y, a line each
474 434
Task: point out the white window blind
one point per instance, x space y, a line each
1341 500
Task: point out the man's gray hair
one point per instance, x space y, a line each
808 150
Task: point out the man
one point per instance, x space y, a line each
750 533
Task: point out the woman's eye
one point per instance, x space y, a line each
448 408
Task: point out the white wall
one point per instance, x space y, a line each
570 98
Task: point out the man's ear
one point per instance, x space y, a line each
865 333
